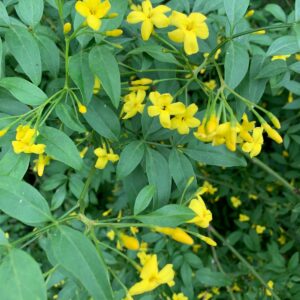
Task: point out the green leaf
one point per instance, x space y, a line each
30 11
293 86
68 117
23 202
4 15
103 120
81 74
235 10
297 10
21 277
272 69
171 215
214 155
130 157
236 64
181 169
60 147
105 66
295 67
25 50
23 90
211 278
143 199
59 197
158 174
14 165
283 46
293 105
276 11
76 254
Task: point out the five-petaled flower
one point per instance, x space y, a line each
134 103
104 157
203 215
93 11
254 147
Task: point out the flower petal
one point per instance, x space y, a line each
160 20
202 31
164 119
136 17
176 36
190 43
102 9
147 28
176 108
93 22
82 9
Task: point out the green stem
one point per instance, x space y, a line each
67 40
243 260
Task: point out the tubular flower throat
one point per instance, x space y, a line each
203 215
183 122
151 277
164 108
134 104
93 11
24 142
149 17
40 163
189 28
104 157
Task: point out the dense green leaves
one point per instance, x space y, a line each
143 199
25 49
60 147
130 157
23 90
23 202
210 278
105 66
235 10
21 277
76 254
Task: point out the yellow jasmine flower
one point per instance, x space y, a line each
83 152
97 85
67 27
183 122
236 288
114 33
205 295
24 142
211 84
231 137
144 246
142 81
216 290
272 133
196 248
203 215
249 13
235 201
129 242
270 285
253 196
107 212
164 108
179 296
149 17
134 230
282 239
290 97
260 229
40 163
176 234
151 277
111 235
138 87
208 240
3 132
143 257
133 104
260 32
207 188
254 147
93 11
82 108
245 127
243 218
280 57
104 157
188 29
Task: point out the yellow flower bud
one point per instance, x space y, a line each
272 133
114 33
275 121
212 124
142 81
208 240
181 236
260 32
83 152
97 86
129 242
3 132
250 13
82 108
67 28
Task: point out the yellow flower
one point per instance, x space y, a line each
104 157
134 230
142 81
280 57
274 121
143 257
208 240
114 33
111 235
245 127
270 285
207 188
176 234
203 215
211 84
151 277
236 288
260 32
235 201
216 290
40 163
93 11
188 29
83 152
196 248
133 104
290 97
164 108
260 229
272 133
129 242
67 27
183 122
282 239
243 218
149 17
179 296
253 196
249 13
205 295
138 87
97 85
217 54
24 142
254 147
3 132
107 212
82 108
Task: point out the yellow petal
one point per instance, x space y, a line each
178 19
36 149
176 108
160 9
136 17
101 163
164 119
176 36
190 43
197 18
142 287
153 111
102 9
202 31
147 7
93 22
166 275
82 9
150 269
160 20
147 28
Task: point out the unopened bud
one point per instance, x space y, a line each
114 33
67 28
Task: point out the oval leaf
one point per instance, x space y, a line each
143 199
30 11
